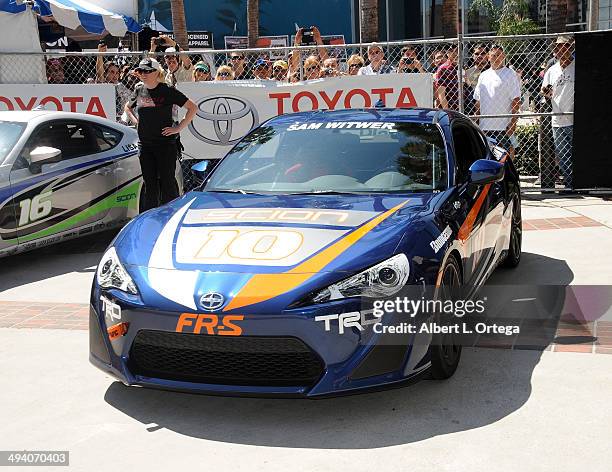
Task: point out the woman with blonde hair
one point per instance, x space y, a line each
225 73
355 62
312 68
153 101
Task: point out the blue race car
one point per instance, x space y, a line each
254 283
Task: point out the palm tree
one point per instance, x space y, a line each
179 24
369 21
253 22
450 18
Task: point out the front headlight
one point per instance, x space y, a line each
382 280
111 274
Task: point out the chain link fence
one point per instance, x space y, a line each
506 103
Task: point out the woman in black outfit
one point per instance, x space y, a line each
153 101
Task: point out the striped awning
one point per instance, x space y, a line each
74 13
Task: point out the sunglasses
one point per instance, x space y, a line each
237 58
225 74
309 69
277 69
376 52
147 72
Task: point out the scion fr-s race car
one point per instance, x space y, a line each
63 175
242 286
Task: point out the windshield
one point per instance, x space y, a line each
340 156
10 132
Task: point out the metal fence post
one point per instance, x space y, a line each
460 70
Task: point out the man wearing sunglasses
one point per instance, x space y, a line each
262 69
237 63
179 66
378 64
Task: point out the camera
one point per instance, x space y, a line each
308 37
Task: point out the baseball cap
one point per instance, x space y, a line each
280 63
202 66
374 46
563 40
148 65
171 50
260 62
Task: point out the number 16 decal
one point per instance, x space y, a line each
35 208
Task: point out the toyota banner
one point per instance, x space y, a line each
227 111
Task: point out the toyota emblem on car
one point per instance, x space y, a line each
224 120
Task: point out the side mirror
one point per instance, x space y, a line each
202 169
484 171
43 155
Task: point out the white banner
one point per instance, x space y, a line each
227 111
93 99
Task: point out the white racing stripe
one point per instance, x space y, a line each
177 285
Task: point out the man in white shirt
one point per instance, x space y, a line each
378 64
498 92
558 85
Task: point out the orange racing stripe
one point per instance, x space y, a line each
468 224
262 287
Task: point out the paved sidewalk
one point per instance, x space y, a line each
505 409
502 411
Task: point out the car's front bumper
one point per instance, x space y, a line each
349 362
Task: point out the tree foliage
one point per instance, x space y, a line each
511 19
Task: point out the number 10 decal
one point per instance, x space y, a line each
271 245
35 208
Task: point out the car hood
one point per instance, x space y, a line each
262 245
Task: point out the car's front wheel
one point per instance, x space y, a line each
446 348
516 235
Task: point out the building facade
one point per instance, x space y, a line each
398 19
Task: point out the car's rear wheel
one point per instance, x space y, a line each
516 235
446 348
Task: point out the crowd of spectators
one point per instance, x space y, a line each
490 85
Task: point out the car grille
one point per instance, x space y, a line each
245 360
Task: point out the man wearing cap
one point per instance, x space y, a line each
153 101
558 85
378 64
279 70
180 68
261 69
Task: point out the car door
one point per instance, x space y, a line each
496 225
472 201
61 196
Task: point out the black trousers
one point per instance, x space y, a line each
158 165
